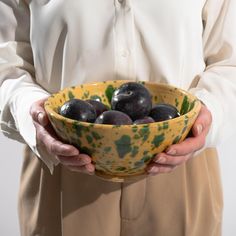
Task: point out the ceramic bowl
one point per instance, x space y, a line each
123 152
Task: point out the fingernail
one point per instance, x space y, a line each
90 169
171 152
199 129
41 119
70 150
74 152
161 160
153 170
86 161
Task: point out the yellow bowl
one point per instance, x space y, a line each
123 152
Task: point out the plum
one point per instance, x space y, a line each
78 109
98 106
133 99
144 120
163 111
112 117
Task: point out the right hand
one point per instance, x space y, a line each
46 137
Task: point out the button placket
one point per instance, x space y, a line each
124 39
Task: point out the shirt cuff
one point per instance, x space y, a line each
217 112
20 107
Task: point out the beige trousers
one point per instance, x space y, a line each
186 202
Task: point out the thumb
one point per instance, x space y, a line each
38 112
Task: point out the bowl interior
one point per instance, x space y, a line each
102 91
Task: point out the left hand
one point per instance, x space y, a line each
46 138
178 154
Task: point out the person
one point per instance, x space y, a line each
48 45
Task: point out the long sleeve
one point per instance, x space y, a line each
18 87
216 86
61 36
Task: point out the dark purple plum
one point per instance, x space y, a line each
112 117
133 99
163 111
78 109
145 120
98 106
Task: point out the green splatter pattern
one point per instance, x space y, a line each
185 106
109 92
158 139
71 95
123 145
119 151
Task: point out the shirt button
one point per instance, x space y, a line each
124 53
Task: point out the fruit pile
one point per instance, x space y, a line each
131 103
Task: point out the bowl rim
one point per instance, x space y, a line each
52 113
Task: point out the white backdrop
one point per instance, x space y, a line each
10 164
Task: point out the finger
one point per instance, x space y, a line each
38 113
154 169
58 148
197 141
54 146
88 169
203 122
189 145
165 159
79 160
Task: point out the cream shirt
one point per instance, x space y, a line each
46 45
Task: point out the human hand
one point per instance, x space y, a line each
178 154
46 137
